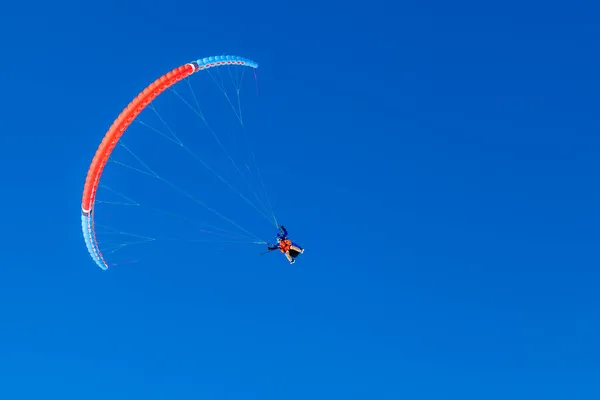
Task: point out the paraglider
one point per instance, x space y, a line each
286 246
185 144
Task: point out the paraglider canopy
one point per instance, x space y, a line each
186 171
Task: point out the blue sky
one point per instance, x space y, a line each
442 164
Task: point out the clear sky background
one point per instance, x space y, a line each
444 158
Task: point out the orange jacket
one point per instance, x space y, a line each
285 245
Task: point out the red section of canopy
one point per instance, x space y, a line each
121 124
